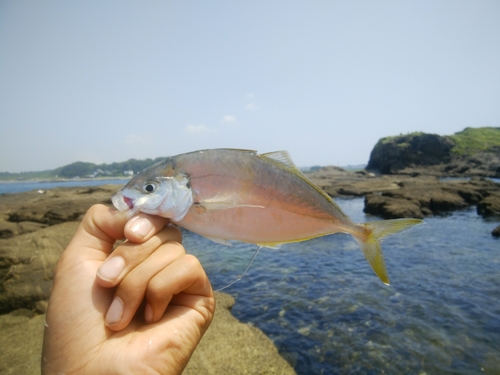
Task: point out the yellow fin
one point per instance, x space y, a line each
369 241
282 157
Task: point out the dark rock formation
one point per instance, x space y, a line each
393 154
430 154
496 232
489 206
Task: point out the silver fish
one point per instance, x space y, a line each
264 199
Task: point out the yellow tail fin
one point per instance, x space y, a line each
369 241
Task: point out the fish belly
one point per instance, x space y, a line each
263 226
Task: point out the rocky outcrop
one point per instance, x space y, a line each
420 200
430 154
398 196
496 232
393 154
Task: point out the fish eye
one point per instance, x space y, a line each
150 187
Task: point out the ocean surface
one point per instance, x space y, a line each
20 186
328 313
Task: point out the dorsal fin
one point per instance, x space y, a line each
282 157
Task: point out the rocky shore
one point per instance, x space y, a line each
402 195
35 228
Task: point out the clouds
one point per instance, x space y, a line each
196 130
202 129
229 119
251 106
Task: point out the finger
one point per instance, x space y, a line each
142 227
128 255
184 277
131 291
99 229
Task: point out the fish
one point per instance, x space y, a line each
240 195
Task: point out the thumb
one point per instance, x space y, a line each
99 230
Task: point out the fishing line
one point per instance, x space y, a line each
246 269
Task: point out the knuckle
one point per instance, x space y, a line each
156 290
174 247
192 262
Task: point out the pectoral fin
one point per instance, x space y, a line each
222 241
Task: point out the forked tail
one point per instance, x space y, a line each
369 240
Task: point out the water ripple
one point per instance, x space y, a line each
327 312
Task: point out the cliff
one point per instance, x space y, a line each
471 152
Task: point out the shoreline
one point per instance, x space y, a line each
63 180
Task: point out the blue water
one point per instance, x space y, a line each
18 187
328 313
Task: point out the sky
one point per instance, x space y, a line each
105 81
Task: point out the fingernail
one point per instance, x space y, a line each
115 312
148 313
141 226
111 268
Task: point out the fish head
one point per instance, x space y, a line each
158 190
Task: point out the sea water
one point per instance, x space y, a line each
328 313
20 186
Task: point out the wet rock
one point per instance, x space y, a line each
496 232
443 201
394 196
489 206
392 208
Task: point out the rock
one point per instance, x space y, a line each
472 152
489 206
27 265
444 201
392 208
395 196
230 347
393 154
21 342
496 232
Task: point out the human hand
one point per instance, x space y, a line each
144 312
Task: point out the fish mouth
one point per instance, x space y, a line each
129 202
122 203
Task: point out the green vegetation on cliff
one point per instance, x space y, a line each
475 151
473 140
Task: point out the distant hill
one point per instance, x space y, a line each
85 170
472 152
